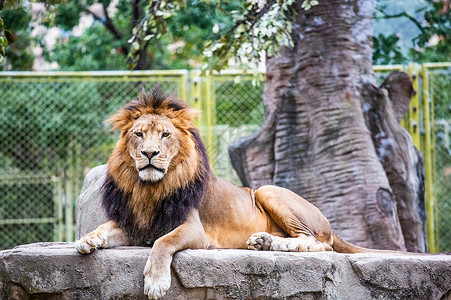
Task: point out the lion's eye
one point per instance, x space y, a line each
139 134
165 134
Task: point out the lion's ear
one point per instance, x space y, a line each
123 119
191 114
183 119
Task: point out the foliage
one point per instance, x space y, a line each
433 42
264 26
15 44
100 47
106 44
174 33
194 34
386 50
95 49
437 26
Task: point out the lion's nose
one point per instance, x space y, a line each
150 154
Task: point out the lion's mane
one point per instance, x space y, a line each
146 210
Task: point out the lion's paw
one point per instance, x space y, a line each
156 283
266 241
285 244
91 242
259 241
298 245
156 288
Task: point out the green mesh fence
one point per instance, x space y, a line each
239 112
440 89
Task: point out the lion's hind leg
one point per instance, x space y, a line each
307 227
266 241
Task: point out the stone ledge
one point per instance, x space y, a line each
57 271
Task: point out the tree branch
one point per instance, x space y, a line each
107 22
403 14
135 9
108 25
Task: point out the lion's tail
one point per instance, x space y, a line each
341 246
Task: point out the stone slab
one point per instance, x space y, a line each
57 271
90 213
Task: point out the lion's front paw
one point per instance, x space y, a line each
156 282
91 242
156 288
259 241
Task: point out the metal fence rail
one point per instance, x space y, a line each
52 133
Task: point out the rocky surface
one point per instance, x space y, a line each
89 209
57 271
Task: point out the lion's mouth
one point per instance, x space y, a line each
150 166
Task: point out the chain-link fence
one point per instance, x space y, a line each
52 133
439 76
239 112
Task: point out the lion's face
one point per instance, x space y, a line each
153 142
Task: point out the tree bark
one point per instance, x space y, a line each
316 139
403 164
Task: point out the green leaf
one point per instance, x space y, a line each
9 36
217 68
167 15
135 46
306 5
3 41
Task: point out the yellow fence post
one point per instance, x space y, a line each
414 114
195 96
429 189
202 98
184 77
434 167
209 106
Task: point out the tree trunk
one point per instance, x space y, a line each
402 162
323 134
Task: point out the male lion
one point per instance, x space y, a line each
160 192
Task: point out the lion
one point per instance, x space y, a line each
161 192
